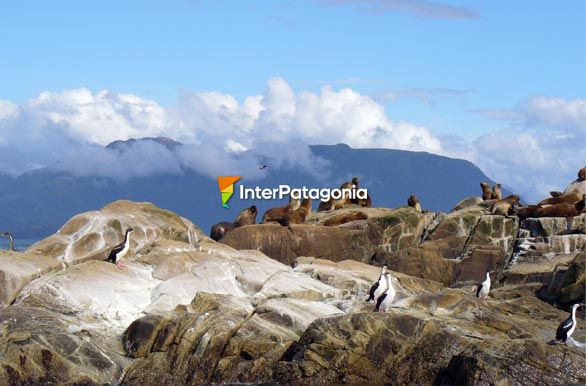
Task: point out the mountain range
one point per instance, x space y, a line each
35 204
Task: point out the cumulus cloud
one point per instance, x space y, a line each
221 134
541 149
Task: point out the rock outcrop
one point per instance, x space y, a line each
288 304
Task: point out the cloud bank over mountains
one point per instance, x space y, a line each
539 146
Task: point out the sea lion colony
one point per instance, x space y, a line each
569 204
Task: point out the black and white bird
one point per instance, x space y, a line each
384 301
11 240
483 288
567 327
120 250
379 286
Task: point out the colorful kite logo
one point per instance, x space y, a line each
226 184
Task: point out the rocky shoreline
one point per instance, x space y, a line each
286 304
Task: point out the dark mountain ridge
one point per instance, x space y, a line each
37 203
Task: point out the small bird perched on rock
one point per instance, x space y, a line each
483 288
379 286
384 301
11 241
567 327
120 250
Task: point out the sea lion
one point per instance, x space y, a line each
486 191
503 207
414 203
570 198
352 185
339 203
526 211
347 217
581 205
245 217
298 215
276 214
561 210
578 185
467 202
497 192
555 193
365 202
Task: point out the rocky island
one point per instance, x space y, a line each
274 304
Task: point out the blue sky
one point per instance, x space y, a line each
433 64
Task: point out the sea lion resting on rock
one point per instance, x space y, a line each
333 204
343 219
563 209
276 214
298 215
365 202
570 198
506 206
526 211
246 217
414 203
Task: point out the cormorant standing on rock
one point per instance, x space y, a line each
379 287
483 288
120 250
567 327
11 242
384 301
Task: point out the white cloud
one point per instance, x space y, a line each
57 127
541 111
539 149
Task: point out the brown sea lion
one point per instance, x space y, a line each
347 217
351 185
414 203
298 215
339 203
561 210
276 214
555 193
486 192
526 211
503 207
579 184
245 217
570 198
581 205
497 192
365 202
